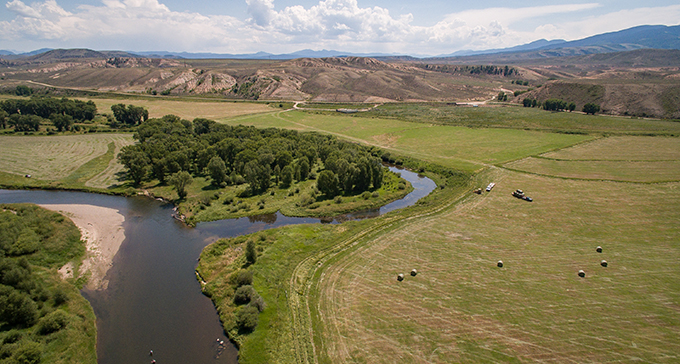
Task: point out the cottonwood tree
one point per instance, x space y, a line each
591 108
217 170
180 181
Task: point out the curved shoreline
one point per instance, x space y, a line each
102 230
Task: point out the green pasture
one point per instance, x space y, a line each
626 159
519 117
452 146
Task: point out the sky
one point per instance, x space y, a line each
420 28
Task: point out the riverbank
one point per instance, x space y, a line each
102 230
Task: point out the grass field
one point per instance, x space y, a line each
463 148
522 118
82 159
627 159
462 308
187 109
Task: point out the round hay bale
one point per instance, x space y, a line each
414 272
603 263
581 273
400 277
598 249
500 264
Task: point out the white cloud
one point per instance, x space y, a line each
330 24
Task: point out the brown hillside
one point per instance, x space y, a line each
639 83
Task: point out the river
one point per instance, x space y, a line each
153 300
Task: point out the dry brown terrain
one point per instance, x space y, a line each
643 83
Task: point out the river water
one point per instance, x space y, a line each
153 300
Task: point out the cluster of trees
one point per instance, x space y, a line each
475 70
28 114
560 105
502 96
129 115
241 154
520 82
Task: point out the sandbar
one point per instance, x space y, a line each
102 230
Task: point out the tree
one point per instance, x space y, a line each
251 252
591 108
571 107
257 175
287 176
132 115
3 119
180 181
247 317
25 122
502 96
23 90
217 170
136 161
62 122
527 102
327 183
554 105
304 168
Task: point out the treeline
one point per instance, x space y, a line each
560 105
37 310
474 70
229 155
27 115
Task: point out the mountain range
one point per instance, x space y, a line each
640 37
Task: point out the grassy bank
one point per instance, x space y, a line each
44 318
277 277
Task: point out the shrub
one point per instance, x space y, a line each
338 199
244 294
60 297
247 317
305 200
12 336
258 302
53 322
17 308
375 194
28 352
244 278
251 253
366 195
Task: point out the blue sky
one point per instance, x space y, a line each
426 27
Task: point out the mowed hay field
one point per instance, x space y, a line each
54 158
462 308
633 159
187 109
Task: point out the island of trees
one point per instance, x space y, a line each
175 152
